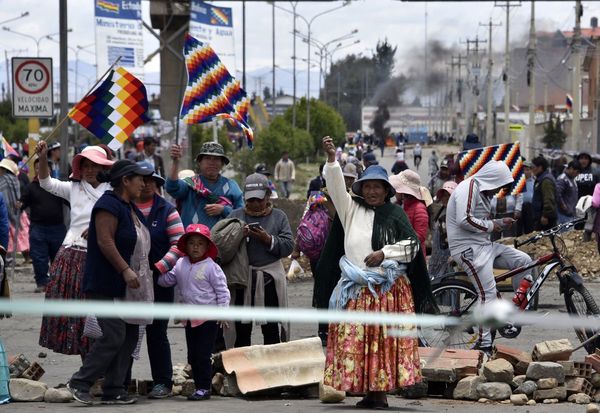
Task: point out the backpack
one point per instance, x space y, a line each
313 228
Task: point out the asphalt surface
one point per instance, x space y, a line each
20 335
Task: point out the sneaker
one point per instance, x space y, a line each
199 394
123 398
81 396
160 391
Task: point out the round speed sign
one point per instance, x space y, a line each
32 77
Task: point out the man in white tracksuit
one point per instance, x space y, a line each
469 227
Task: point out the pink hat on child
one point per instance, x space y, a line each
198 229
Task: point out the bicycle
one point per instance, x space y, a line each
457 297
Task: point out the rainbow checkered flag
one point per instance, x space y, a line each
114 109
211 91
510 153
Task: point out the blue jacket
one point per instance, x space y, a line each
3 223
100 276
192 204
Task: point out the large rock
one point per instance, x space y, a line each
416 391
547 383
467 388
595 380
495 391
518 380
498 370
528 387
559 393
25 390
62 395
580 398
328 394
592 408
545 369
519 399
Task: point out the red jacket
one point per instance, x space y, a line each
418 217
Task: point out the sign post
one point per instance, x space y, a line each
32 87
32 98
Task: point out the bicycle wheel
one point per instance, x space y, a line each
455 298
580 302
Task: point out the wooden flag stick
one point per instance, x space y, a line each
57 127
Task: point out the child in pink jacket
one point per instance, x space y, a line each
201 282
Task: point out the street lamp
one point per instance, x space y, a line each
24 14
308 24
37 40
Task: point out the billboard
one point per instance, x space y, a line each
119 33
214 25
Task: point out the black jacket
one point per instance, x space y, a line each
44 207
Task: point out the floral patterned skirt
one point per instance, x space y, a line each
64 334
362 358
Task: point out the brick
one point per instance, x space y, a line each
512 355
584 370
33 372
594 360
18 365
552 350
569 367
579 385
559 393
450 365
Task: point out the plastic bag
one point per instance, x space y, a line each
295 269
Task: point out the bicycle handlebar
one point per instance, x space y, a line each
551 231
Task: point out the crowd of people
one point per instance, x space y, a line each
111 233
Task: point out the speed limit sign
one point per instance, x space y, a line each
32 87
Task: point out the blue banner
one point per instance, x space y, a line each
119 9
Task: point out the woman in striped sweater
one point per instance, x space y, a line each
164 223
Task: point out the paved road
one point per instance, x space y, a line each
20 335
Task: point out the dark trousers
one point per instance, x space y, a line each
525 223
157 340
109 357
200 341
44 243
243 331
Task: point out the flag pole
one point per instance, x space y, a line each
57 127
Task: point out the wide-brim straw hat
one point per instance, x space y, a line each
10 166
409 182
94 154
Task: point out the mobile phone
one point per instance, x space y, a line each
254 225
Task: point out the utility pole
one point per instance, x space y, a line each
273 92
575 126
427 91
474 69
531 142
506 77
459 64
490 138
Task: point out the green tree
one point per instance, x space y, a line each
14 130
554 136
266 93
384 60
354 80
324 120
280 136
203 132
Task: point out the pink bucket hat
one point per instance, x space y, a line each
202 230
449 186
93 153
409 182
